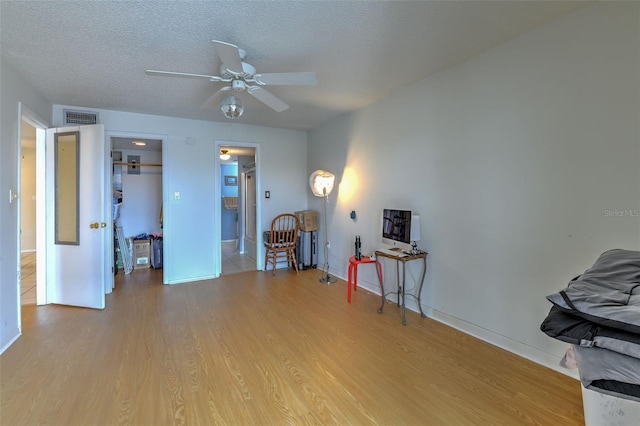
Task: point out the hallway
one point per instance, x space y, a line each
234 262
28 281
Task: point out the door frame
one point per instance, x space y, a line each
28 115
166 214
217 208
243 214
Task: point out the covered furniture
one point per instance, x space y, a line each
598 313
280 241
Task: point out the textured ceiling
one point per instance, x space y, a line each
93 54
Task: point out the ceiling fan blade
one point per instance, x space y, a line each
267 97
287 79
184 74
209 103
230 56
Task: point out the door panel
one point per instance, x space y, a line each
76 273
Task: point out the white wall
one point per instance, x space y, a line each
515 160
187 168
142 195
13 90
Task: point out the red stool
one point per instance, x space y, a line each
353 272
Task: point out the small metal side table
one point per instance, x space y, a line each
400 293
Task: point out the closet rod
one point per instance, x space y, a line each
135 164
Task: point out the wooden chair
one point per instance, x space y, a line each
281 242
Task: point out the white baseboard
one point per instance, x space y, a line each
526 351
193 279
10 342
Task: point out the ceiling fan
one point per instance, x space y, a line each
242 76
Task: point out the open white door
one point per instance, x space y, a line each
78 217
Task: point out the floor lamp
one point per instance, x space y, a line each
321 183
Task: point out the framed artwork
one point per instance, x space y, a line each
231 180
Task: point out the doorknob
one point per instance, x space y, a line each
94 225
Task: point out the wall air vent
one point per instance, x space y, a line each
79 117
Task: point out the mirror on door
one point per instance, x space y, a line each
67 205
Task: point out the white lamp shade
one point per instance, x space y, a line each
415 228
321 182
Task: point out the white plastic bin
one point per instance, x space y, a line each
605 410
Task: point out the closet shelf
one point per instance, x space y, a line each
115 163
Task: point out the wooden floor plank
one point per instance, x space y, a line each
252 349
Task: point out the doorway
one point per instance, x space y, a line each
31 244
28 228
137 198
238 242
37 173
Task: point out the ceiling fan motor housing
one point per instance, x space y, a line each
238 85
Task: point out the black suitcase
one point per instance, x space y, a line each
307 250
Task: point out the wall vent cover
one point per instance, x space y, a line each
79 117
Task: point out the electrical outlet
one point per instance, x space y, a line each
176 195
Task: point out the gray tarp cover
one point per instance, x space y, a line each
579 331
609 372
599 312
608 293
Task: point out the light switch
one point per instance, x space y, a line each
267 194
176 195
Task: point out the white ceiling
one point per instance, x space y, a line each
93 54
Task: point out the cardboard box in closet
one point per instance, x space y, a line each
141 254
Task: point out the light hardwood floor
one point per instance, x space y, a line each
249 349
28 278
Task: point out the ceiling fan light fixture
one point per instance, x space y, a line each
223 155
232 107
